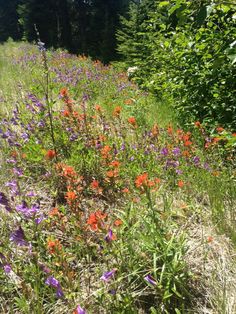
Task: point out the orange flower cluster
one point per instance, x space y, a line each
50 154
74 184
142 181
96 187
155 130
96 220
54 247
105 152
117 111
128 101
132 121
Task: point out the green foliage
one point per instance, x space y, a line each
190 55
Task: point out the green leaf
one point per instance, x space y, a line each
164 3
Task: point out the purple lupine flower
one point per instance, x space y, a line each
39 219
59 292
7 268
176 151
31 194
107 275
196 160
18 172
122 147
18 237
26 211
150 280
11 161
108 237
13 187
53 282
79 310
112 292
164 151
5 202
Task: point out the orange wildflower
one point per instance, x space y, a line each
66 113
125 190
115 164
94 184
132 121
71 196
117 111
105 151
180 183
118 222
54 212
197 124
98 108
68 171
128 101
155 130
209 239
141 180
54 246
112 173
186 153
64 92
96 219
188 143
50 154
170 130
219 129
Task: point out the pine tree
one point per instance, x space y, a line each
9 26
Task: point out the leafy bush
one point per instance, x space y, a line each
190 55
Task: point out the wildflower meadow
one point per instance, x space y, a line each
107 204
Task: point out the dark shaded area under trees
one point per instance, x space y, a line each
81 26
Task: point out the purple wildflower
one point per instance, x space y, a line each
18 172
79 310
13 187
164 151
196 160
26 211
53 282
59 292
176 151
107 275
18 237
7 268
39 219
5 202
31 194
108 237
150 280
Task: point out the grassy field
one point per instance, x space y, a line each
107 205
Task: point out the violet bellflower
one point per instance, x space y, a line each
150 280
107 275
109 236
5 202
18 237
79 310
53 282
